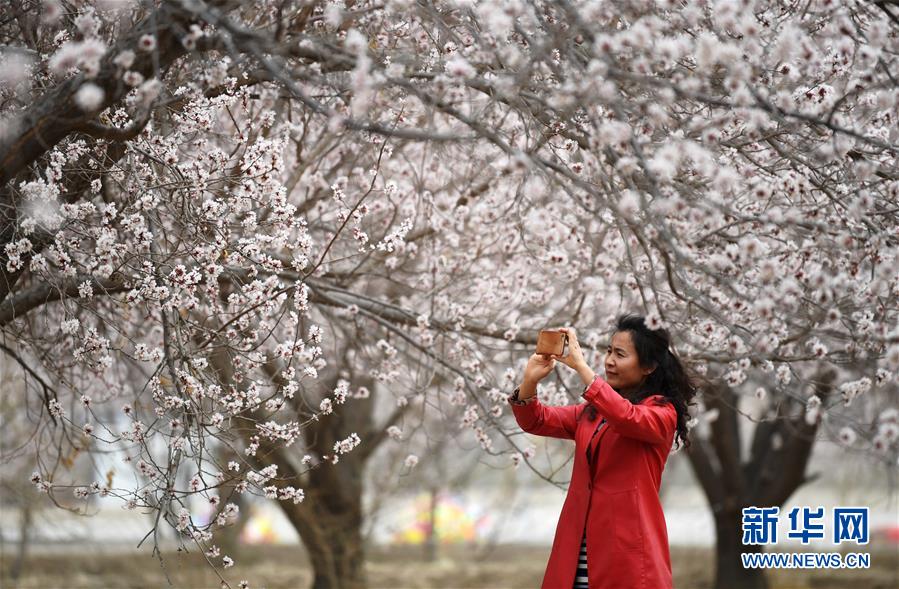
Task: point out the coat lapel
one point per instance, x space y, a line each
594 441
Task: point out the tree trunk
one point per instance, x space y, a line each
329 519
333 540
729 570
22 549
767 477
431 535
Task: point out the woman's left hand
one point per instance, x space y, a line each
575 358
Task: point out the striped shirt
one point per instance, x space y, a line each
580 578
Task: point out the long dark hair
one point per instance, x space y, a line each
669 378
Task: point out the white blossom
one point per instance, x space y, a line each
125 59
146 42
89 97
458 67
847 436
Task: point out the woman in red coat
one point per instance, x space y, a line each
623 433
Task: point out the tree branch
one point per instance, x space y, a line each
20 304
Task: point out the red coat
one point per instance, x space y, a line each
616 495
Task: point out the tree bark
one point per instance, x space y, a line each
729 570
332 537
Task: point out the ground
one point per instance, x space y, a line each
458 567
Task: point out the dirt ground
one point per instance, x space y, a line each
457 567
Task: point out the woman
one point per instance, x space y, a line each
611 532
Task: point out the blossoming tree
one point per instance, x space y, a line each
226 226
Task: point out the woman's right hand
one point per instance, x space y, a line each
539 365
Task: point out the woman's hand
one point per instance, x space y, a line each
539 365
575 358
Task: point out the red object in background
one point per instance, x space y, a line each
888 534
615 494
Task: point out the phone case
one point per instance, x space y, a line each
552 341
